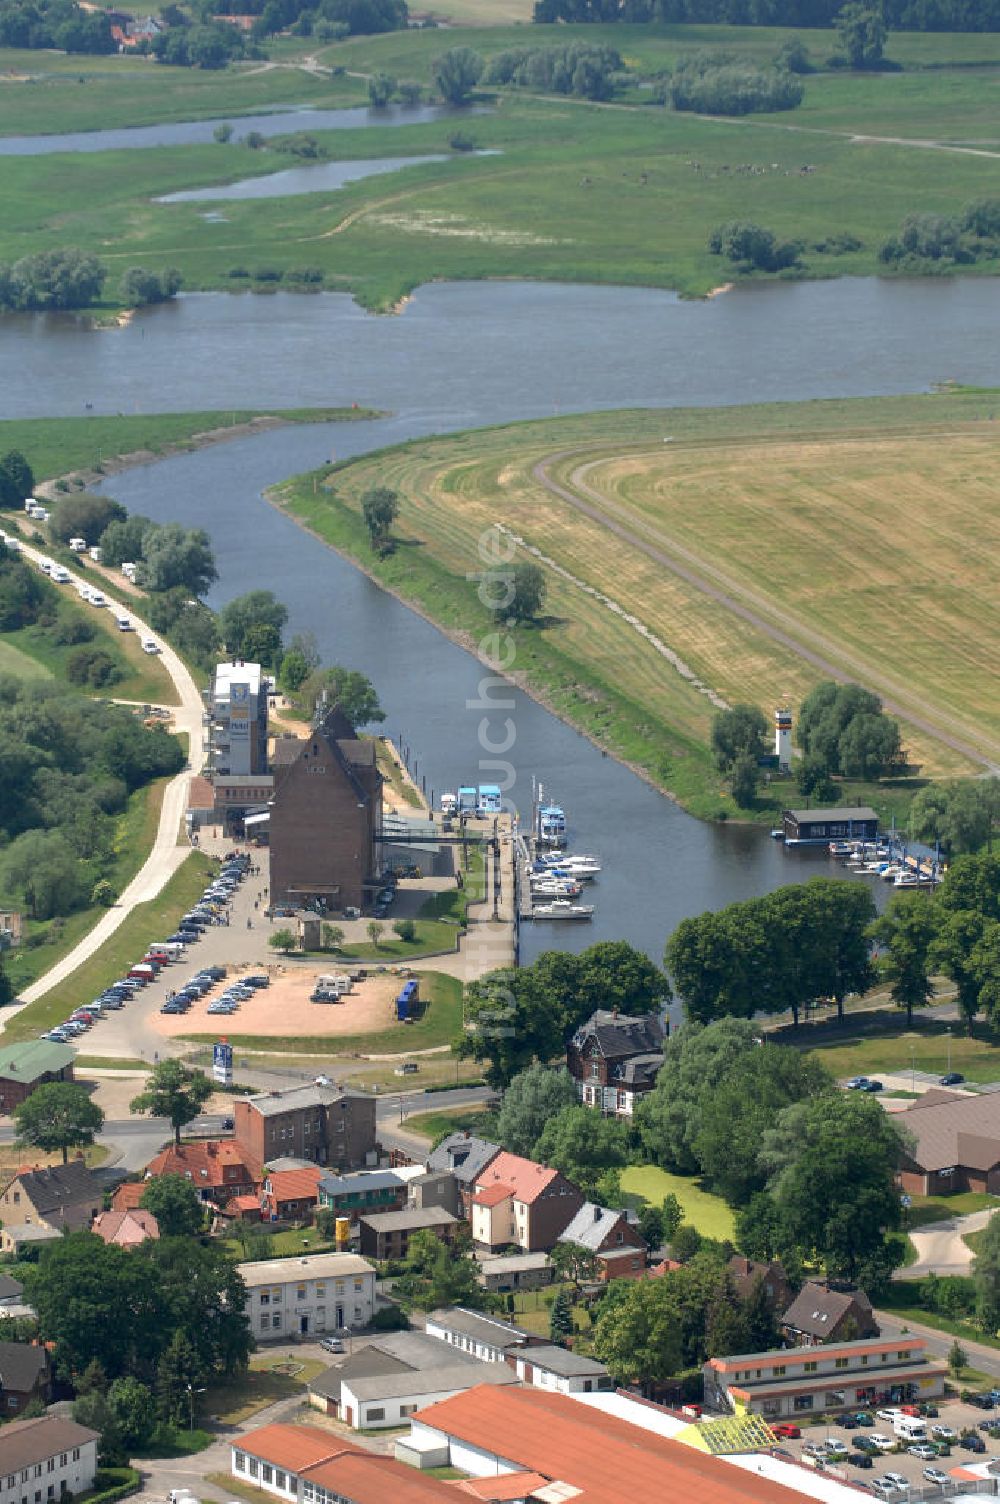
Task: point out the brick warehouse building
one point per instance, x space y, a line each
325 815
324 1124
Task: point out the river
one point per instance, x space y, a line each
467 355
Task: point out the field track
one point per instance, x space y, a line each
760 613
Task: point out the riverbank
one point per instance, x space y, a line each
637 657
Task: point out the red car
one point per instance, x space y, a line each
787 1430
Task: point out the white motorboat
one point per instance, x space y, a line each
552 825
555 887
561 908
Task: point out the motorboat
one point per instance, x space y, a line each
561 908
555 887
552 825
906 880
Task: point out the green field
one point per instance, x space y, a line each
14 660
745 494
439 1023
855 1050
432 1125
708 1213
143 678
147 922
577 192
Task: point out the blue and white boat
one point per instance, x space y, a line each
552 825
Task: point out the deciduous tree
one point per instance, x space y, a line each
174 1092
906 932
59 1115
533 1097
174 1203
456 73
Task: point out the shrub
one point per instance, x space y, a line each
406 930
461 142
753 246
716 84
70 628
268 274
390 1319
92 668
236 272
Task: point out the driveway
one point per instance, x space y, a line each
166 855
940 1249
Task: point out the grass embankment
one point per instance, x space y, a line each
143 678
432 1125
11 1159
47 942
794 493
147 923
400 786
880 1044
578 192
444 1072
440 1023
925 1210
705 1211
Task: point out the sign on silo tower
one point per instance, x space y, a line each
783 739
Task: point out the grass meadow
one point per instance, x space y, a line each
705 1211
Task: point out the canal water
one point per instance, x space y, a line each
465 355
321 177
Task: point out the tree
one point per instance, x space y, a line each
561 1318
141 287
906 932
696 1057
17 480
583 1146
375 931
752 246
132 1406
456 73
511 1020
744 776
574 1262
956 950
843 729
93 1304
381 87
63 278
958 1359
380 508
986 1273
174 1092
223 133
972 883
257 607
533 1097
638 1333
174 1203
94 1411
346 690
527 593
862 33
283 940
613 974
123 539
79 514
262 644
177 1369
737 732
333 936
960 816
58 1115
173 555
294 671
43 868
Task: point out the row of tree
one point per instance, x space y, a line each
55 23
71 278
578 68
714 83
973 234
906 15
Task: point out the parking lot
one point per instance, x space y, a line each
954 1417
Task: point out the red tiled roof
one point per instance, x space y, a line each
503 1488
293 1447
128 1195
365 1478
525 1179
243 1204
295 1185
204 1163
126 1228
492 1195
608 1460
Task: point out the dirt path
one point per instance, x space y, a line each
941 1248
762 614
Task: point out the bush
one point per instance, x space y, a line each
112 1483
461 142
70 628
93 668
390 1319
268 274
237 273
406 930
753 247
718 85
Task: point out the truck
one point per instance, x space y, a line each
910 1428
123 621
59 574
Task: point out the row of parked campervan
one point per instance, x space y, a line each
35 510
57 573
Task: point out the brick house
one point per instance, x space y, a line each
323 1124
25 1067
517 1201
24 1376
746 1272
615 1059
62 1196
217 1168
955 1144
290 1195
386 1235
325 814
819 1315
615 1242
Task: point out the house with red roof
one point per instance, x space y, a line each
291 1195
317 1467
126 1229
516 1201
217 1168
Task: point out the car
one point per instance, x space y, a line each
172 1007
935 1475
882 1487
880 1442
897 1480
787 1430
856 1083
972 1442
924 1451
981 1401
873 1086
944 1433
848 1423
332 1345
814 1449
864 1417
890 1415
859 1459
928 1408
229 1124
953 1078
912 1410
257 981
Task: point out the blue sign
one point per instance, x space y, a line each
222 1063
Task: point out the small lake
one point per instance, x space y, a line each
319 178
279 122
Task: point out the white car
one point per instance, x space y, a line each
889 1415
897 1480
149 646
923 1451
944 1433
881 1442
935 1475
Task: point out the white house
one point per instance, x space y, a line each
322 1292
556 1368
42 1459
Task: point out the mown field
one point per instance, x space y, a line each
576 191
861 518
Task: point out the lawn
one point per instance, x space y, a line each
147 922
442 1070
705 1211
433 1125
924 1210
230 1403
744 493
439 1023
143 678
881 1044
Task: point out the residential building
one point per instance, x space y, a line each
219 1169
819 1315
617 1245
556 1447
325 815
42 1460
49 1200
745 1274
464 1156
11 1292
483 1337
364 1191
25 1067
791 1382
515 1200
321 1292
518 1271
126 1197
555 1368
817 827
237 714
956 1144
126 1229
290 1195
615 1059
305 1465
435 1188
323 1124
386 1235
18 1237
24 1376
383 1383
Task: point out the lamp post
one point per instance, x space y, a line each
948 1033
191 1392
913 1069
